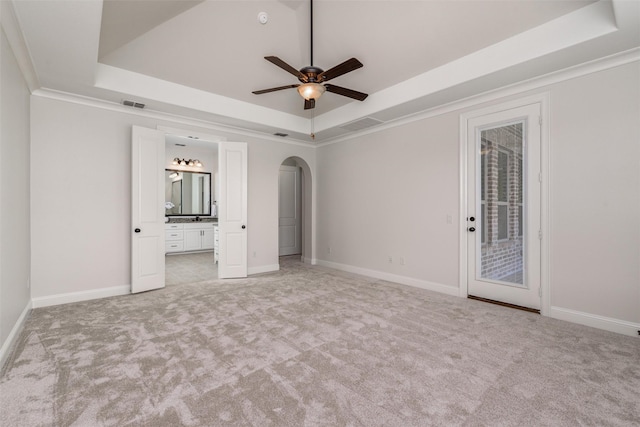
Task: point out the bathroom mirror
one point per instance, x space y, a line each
187 193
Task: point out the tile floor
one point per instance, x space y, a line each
190 268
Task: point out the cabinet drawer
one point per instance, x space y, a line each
173 226
177 246
199 225
174 235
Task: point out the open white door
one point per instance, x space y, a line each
147 209
232 210
290 212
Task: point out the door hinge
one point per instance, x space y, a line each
540 120
539 176
540 291
540 234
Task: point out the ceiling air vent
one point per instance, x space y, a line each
281 134
364 123
132 104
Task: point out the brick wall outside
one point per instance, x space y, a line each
502 257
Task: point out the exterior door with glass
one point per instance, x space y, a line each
503 206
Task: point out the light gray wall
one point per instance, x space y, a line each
14 191
595 193
389 193
85 245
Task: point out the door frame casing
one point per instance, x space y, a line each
543 100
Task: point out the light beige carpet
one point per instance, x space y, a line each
313 347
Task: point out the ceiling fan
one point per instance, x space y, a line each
312 78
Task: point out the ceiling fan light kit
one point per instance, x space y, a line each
311 91
311 78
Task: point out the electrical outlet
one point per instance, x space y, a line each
401 260
449 219
254 254
329 250
390 259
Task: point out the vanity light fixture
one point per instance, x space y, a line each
184 162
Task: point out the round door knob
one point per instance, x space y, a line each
137 230
244 226
472 229
472 219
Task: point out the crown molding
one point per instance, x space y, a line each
616 60
576 71
15 37
587 23
160 115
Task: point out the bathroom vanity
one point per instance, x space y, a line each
188 209
190 236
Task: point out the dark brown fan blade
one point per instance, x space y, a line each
288 68
346 92
347 66
309 104
273 89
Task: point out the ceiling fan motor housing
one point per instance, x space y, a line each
313 78
312 74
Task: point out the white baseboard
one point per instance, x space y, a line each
311 261
409 281
595 321
80 296
263 269
7 345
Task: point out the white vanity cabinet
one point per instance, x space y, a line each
187 237
198 236
174 238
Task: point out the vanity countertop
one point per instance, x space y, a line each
176 220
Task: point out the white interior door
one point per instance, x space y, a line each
232 210
503 206
290 212
147 213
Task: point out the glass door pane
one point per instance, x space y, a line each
500 199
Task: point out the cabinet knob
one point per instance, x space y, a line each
244 226
137 230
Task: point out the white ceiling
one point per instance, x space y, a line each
202 59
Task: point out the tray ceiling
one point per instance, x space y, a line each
202 59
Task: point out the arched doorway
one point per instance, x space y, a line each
294 209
